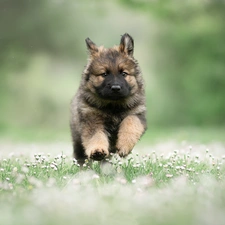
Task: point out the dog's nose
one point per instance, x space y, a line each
116 87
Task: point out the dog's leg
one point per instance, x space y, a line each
95 140
130 131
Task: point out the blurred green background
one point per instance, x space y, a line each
180 47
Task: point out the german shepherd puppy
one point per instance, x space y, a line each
108 111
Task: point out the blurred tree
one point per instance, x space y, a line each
29 26
188 50
189 60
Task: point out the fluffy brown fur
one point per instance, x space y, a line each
108 111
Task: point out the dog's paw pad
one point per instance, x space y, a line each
98 155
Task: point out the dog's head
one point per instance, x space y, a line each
112 73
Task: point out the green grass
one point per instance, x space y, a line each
152 135
178 188
191 134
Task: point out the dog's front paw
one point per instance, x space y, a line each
98 154
122 152
124 146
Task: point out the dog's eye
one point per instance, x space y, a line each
104 74
124 74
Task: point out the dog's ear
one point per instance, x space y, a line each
91 46
127 44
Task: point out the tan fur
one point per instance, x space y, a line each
98 143
129 133
132 81
94 81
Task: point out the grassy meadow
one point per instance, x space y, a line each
168 182
175 174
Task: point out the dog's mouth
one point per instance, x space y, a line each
113 95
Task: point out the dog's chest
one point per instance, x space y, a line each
111 125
